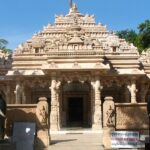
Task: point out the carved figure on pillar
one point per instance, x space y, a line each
108 121
44 115
43 137
110 117
42 112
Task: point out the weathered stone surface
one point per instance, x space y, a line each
43 136
18 112
108 121
107 137
75 49
108 112
131 117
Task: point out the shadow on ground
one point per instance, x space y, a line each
53 142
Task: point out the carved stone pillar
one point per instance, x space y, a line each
54 115
23 95
8 97
58 92
108 112
127 95
18 92
92 101
43 136
143 92
108 121
97 118
133 90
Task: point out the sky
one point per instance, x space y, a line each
20 19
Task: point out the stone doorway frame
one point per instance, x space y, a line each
65 109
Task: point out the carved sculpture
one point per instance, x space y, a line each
43 137
44 115
42 112
108 121
110 117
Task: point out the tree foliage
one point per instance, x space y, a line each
144 34
128 35
141 38
3 44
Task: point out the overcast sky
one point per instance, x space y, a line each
20 19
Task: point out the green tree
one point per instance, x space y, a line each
144 34
128 35
3 44
140 39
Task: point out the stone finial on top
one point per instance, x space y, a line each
70 4
74 11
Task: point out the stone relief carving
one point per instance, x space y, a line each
43 114
74 31
110 117
74 34
109 112
113 82
37 82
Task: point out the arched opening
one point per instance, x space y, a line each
76 105
115 91
38 92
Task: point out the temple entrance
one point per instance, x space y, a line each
75 111
75 107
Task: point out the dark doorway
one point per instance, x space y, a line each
75 111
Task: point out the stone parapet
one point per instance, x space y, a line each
131 116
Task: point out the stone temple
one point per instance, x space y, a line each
76 65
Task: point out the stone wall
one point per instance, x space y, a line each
19 113
125 117
37 113
131 116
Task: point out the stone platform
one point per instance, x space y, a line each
76 140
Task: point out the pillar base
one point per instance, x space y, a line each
54 128
43 139
107 137
134 102
96 127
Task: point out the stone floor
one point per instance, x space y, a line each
76 141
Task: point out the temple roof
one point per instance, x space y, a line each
78 38
74 28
